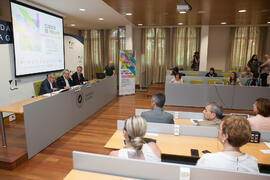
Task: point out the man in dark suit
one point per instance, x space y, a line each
78 76
48 85
157 115
64 81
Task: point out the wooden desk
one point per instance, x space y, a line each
85 175
185 122
181 145
16 108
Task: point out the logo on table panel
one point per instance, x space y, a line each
79 100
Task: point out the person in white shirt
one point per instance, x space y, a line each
65 81
136 148
177 79
265 67
234 132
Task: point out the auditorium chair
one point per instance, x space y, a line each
196 82
192 74
213 81
225 74
37 85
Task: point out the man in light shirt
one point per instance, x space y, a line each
65 81
213 113
48 85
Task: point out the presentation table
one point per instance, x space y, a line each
85 175
181 145
46 118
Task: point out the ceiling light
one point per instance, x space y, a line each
73 25
100 19
182 12
268 22
180 24
128 14
223 23
242 11
140 24
82 9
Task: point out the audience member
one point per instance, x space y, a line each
254 64
48 85
177 79
234 80
247 73
211 73
234 132
254 81
157 115
196 61
78 76
134 132
265 70
64 81
262 119
109 69
174 71
213 113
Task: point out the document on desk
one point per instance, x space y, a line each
265 151
267 144
151 134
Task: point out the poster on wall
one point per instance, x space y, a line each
127 72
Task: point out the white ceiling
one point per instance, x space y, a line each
88 19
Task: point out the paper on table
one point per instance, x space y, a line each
267 144
265 151
151 134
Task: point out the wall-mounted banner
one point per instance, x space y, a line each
127 72
6 35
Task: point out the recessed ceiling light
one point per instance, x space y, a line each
223 23
140 24
73 25
128 14
81 9
182 12
242 10
180 24
100 19
201 12
268 22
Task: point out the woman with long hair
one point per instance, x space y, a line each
234 80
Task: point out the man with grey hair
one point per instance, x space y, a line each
265 67
65 81
48 85
157 115
213 113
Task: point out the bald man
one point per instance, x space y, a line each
109 69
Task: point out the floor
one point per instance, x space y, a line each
55 161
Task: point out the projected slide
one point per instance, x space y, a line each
38 40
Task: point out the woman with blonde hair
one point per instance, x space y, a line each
136 148
234 132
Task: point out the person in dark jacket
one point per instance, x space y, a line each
254 81
77 77
211 73
64 81
254 64
48 85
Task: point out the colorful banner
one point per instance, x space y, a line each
6 36
127 72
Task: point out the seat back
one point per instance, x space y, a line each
196 82
213 81
192 74
225 74
36 86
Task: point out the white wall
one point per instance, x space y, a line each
74 52
218 47
137 48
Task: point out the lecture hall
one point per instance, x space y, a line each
135 89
